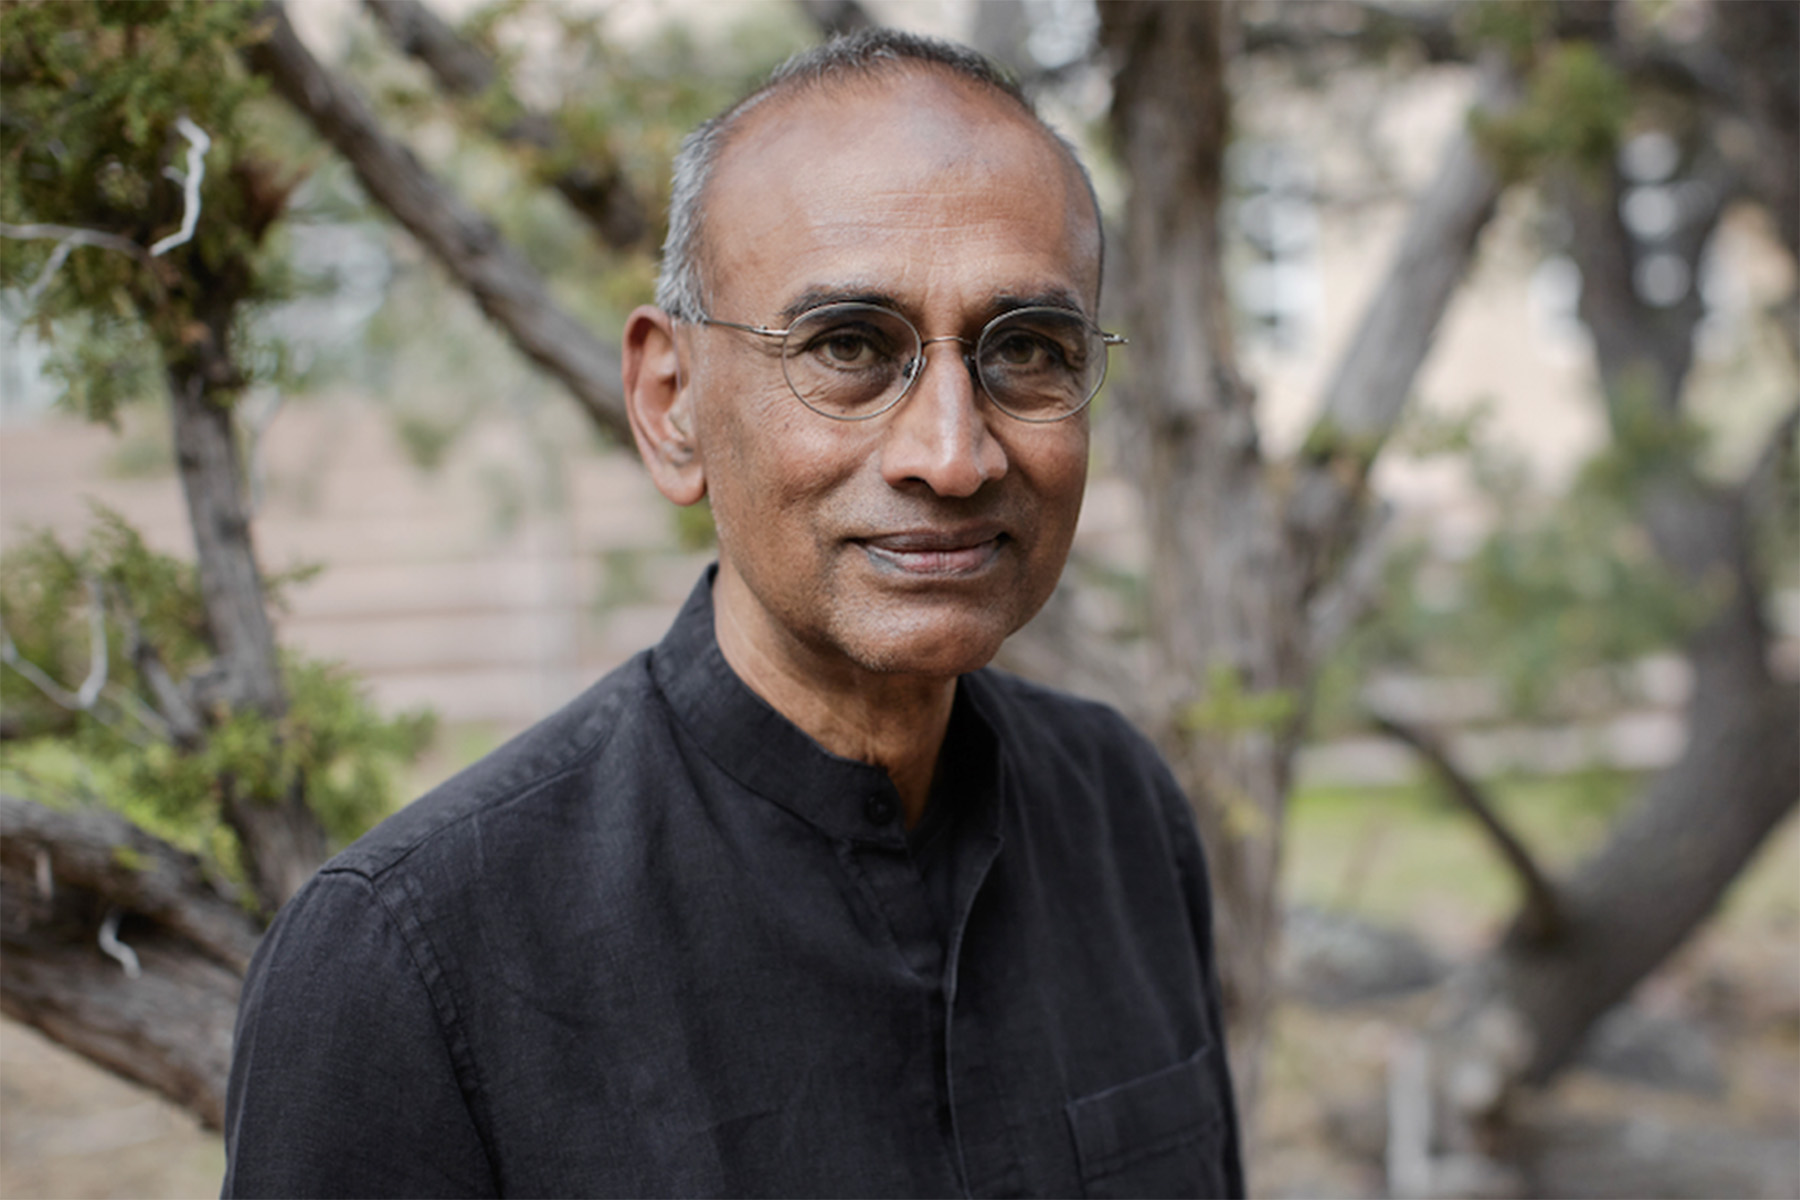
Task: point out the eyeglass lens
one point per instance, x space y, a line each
851 361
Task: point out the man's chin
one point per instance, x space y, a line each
944 646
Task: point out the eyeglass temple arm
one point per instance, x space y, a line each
763 330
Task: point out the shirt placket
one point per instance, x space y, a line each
882 859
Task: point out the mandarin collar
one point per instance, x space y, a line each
757 746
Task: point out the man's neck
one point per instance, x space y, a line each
896 722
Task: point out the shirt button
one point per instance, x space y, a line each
879 810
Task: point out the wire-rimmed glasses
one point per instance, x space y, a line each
853 361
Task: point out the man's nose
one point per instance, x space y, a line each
939 434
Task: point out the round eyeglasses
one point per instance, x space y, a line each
851 362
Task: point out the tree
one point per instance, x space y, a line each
189 708
1249 557
1248 554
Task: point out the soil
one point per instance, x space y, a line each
70 1130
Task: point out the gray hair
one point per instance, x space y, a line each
681 284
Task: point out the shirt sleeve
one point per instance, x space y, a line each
342 1083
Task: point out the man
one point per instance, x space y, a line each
801 902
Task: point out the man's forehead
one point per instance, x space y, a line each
838 165
929 97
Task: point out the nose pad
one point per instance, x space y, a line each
916 365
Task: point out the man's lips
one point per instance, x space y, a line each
935 551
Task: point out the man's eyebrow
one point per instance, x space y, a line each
1002 302
813 298
1054 298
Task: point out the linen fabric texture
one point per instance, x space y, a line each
664 944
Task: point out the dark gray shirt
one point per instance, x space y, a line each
664 944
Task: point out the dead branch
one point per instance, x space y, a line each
596 187
190 180
511 293
1541 917
82 698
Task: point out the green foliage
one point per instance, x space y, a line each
1228 707
90 140
331 742
1326 440
1649 443
102 362
1575 108
1515 27
1558 587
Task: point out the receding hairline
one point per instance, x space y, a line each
822 72
872 84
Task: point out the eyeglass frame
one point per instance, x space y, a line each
1107 342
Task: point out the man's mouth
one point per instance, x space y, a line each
939 552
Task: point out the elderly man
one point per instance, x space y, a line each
803 901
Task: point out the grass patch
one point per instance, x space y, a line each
1407 855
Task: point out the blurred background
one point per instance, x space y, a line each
1442 525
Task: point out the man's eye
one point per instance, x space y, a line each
1020 349
847 349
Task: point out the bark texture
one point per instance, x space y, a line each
63 876
283 842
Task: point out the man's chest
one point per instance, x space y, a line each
816 1028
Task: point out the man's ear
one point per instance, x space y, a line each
657 401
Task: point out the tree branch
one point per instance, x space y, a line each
596 187
510 292
72 882
1369 389
68 238
1340 604
98 851
191 179
82 699
1541 918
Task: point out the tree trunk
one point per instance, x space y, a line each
1526 1009
1667 862
66 876
1243 556
1221 593
282 840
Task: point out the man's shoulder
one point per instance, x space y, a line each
548 765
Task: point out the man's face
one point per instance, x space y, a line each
916 541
